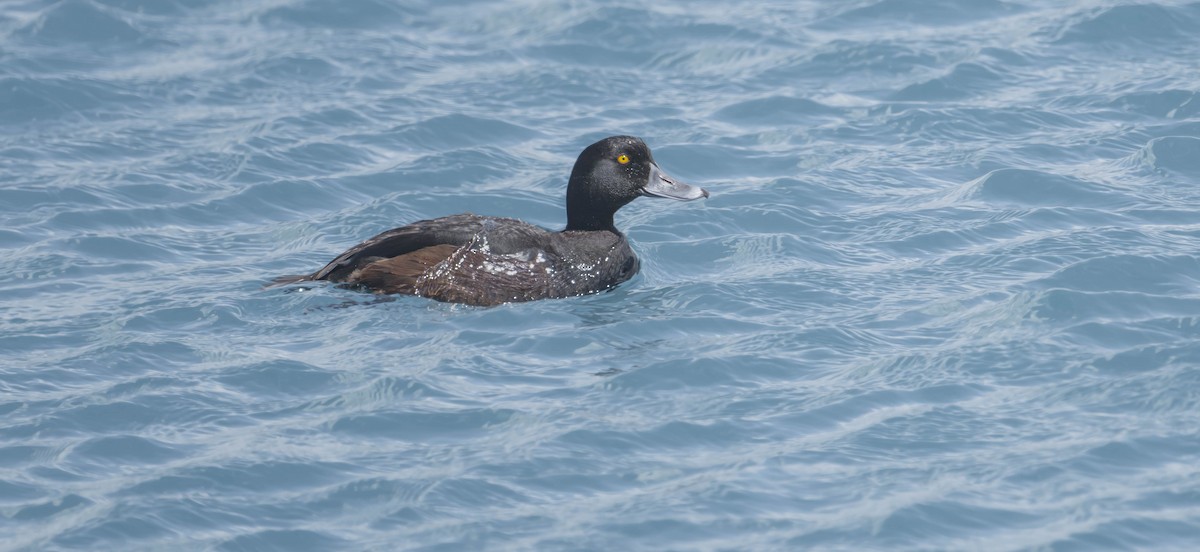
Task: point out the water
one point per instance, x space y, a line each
945 295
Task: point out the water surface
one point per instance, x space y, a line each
945 294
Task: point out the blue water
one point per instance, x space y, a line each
945 294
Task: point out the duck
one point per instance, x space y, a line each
487 261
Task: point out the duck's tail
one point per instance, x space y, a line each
289 279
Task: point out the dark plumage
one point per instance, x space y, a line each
481 260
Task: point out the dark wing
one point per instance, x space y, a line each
456 230
404 273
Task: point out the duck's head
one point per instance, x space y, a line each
613 172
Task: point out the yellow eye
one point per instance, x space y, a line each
622 159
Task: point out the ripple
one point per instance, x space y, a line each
280 378
154 7
775 110
52 508
1173 153
882 56
26 101
1061 305
914 12
1036 188
1138 22
246 479
81 21
296 68
461 131
284 540
1170 104
423 426
937 518
331 13
964 81
124 450
1117 272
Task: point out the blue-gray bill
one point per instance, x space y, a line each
661 185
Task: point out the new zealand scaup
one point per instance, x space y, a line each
480 260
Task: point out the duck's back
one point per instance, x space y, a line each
484 261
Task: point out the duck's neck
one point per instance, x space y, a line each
585 221
585 212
